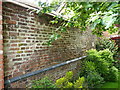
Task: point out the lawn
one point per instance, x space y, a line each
112 84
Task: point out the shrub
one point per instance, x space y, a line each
102 65
43 83
64 82
79 82
99 67
112 46
113 74
90 67
107 44
94 79
107 55
103 61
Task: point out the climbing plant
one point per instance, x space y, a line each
99 16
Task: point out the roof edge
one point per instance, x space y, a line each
27 6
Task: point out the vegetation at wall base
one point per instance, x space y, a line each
98 68
98 71
43 83
64 82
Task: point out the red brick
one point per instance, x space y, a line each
1 82
24 17
18 59
0 2
1 77
14 48
0 12
10 22
28 51
0 7
1 41
17 74
1 86
0 21
6 18
1 67
1 56
0 27
23 39
1 47
1 32
13 44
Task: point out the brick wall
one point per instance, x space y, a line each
25 35
1 50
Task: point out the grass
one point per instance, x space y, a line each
112 84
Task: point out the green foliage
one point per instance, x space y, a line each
107 44
52 38
89 67
64 82
43 83
69 75
89 71
94 79
46 7
98 67
103 61
79 82
100 16
107 55
113 74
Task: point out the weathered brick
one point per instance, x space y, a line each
20 16
25 49
17 74
19 52
18 59
1 57
0 21
28 51
14 48
21 23
13 33
12 45
1 47
10 22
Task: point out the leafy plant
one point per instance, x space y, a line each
107 44
90 67
89 71
64 82
43 83
98 67
103 61
113 74
79 82
94 79
100 16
